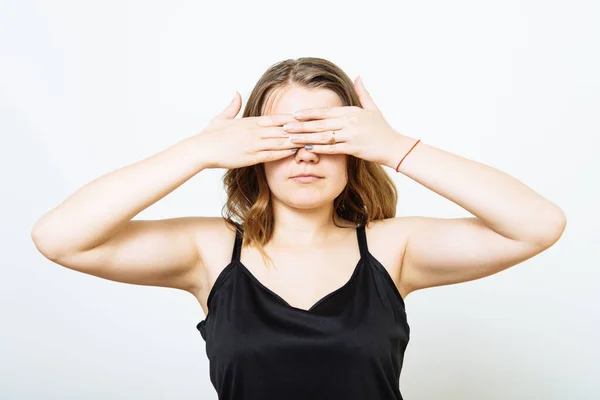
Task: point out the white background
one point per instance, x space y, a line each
87 87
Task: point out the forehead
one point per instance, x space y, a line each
293 98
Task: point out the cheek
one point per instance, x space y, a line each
341 165
274 171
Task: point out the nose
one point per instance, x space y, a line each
304 155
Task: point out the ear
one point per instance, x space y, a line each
364 96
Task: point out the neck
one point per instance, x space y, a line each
306 228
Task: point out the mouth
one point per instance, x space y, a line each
306 176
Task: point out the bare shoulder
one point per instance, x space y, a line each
386 239
214 239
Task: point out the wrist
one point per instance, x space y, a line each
401 145
199 148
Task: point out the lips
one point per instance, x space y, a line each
307 175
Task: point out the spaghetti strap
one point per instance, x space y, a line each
362 241
252 332
360 233
237 247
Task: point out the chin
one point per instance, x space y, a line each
308 203
307 199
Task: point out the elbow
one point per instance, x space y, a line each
555 225
41 241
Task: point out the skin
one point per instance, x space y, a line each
308 249
303 210
510 224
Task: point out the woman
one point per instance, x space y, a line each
303 279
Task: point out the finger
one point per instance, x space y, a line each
316 138
277 143
273 155
275 120
320 113
272 132
232 109
365 98
319 125
337 148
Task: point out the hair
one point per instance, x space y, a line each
370 194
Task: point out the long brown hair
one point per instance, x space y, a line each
370 193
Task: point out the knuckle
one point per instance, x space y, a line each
263 120
254 133
268 120
280 119
252 147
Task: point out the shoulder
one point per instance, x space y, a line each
386 240
389 231
214 238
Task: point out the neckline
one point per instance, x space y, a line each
310 310
363 250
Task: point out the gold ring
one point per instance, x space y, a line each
332 140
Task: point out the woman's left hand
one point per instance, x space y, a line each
361 132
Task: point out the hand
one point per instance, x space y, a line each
234 143
361 132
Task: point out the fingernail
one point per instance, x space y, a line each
294 149
308 147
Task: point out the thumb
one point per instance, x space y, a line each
232 109
365 98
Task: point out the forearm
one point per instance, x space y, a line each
96 211
502 202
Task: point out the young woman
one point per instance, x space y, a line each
303 279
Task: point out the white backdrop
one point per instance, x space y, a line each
88 87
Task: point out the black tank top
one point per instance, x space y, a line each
349 345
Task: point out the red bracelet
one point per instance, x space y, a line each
398 166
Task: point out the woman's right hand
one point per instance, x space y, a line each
234 143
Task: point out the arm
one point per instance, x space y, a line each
511 222
92 231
